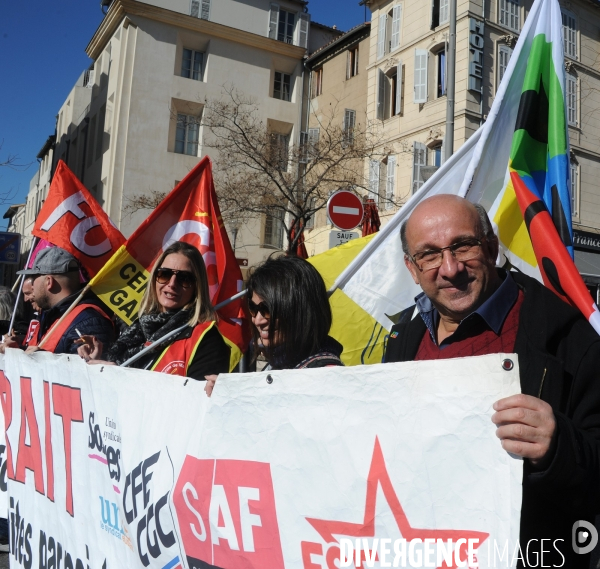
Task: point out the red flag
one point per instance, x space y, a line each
300 248
371 223
72 219
189 213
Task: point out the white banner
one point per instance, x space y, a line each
111 468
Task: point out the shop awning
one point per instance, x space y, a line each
588 265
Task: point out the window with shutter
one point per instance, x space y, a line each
572 99
280 148
309 142
419 159
390 183
504 54
381 36
186 135
399 88
420 95
273 234
569 28
195 8
205 12
441 73
352 62
444 11
317 82
349 121
282 86
303 30
374 180
381 79
273 19
192 64
396 20
509 14
285 26
574 189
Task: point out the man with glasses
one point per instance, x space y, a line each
55 286
470 307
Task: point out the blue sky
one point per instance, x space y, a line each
42 53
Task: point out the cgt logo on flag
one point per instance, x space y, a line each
226 514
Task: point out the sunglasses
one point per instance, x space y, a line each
256 308
184 279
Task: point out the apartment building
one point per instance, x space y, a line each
132 123
337 95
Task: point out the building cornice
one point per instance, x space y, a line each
120 10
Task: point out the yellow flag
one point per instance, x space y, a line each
361 335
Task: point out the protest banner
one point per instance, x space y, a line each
110 467
71 218
189 213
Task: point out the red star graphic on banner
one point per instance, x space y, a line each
378 475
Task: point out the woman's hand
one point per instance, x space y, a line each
90 349
210 383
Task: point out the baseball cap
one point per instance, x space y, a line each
52 261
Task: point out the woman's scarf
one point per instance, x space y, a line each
147 328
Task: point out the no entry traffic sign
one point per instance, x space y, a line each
345 210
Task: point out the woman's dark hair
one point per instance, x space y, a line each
296 296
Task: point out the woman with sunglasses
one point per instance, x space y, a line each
291 316
177 295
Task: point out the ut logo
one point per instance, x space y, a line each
226 513
108 518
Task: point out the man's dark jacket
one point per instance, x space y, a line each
88 322
559 362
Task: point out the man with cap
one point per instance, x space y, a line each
56 285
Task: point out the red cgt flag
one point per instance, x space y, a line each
189 213
72 219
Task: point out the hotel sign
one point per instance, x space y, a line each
475 55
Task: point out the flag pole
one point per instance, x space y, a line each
20 280
14 287
231 299
173 333
68 311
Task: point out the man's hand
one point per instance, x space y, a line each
210 383
526 426
90 348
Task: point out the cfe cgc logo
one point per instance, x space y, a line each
585 537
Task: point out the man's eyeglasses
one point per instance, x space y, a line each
260 307
185 279
462 251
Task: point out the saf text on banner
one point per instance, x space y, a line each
110 468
